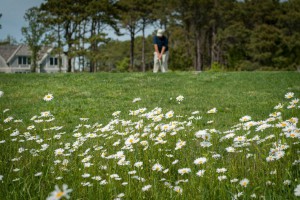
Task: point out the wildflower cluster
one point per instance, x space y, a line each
155 150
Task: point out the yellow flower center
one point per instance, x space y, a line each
59 194
283 124
293 135
177 190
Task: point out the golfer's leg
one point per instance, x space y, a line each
165 62
155 65
162 67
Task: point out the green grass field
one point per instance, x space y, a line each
151 148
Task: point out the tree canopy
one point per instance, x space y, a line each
203 34
34 34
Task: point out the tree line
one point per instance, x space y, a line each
203 34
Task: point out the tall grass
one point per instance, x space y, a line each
104 143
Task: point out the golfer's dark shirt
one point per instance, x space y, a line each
161 42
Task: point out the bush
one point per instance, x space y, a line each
180 61
123 65
267 69
246 65
216 67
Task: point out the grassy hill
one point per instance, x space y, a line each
30 170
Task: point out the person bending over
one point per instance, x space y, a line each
161 53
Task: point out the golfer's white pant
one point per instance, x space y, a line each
162 64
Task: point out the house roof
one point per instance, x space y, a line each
23 51
2 61
9 51
43 53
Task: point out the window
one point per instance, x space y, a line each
24 60
20 60
53 61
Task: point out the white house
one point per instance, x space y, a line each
17 59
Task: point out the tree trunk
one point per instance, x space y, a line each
69 64
143 49
214 48
198 52
60 48
33 62
93 30
214 51
132 50
69 68
69 30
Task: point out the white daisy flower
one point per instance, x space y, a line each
146 188
200 161
136 100
85 175
178 189
297 191
157 167
138 164
244 182
179 98
169 114
200 172
58 194
59 151
234 180
287 182
289 95
212 111
38 174
221 170
245 118
48 97
222 177
184 171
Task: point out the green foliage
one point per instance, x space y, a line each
123 65
79 25
266 46
179 60
227 32
34 34
246 65
181 57
114 52
232 40
216 67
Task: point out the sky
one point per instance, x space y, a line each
12 19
